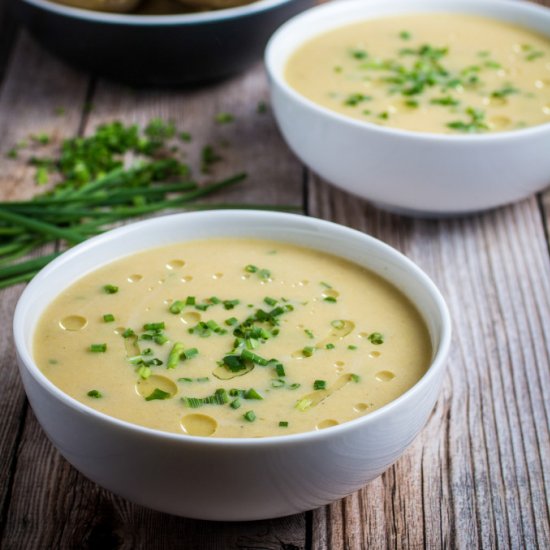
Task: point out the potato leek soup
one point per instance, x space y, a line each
439 73
232 338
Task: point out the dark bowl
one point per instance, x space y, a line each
158 49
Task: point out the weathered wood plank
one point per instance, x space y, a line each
34 85
478 474
8 32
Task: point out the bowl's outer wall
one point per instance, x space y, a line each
200 481
407 171
158 54
201 477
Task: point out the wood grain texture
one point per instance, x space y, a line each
478 475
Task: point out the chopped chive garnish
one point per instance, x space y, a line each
147 351
280 370
95 394
270 301
154 326
252 394
128 333
309 333
108 318
304 404
98 348
264 274
405 35
308 351
251 268
257 359
283 424
219 397
190 301
202 307
160 339
250 416
330 346
174 355
325 284
320 385
110 289
144 372
189 353
376 338
235 404
231 321
230 304
278 383
177 307
214 300
330 299
203 379
355 377
294 386
352 347
185 379
157 393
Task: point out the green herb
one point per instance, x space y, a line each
219 397
190 301
447 101
352 347
330 346
505 91
278 383
189 353
304 404
209 157
476 122
330 299
230 304
320 385
224 118
110 289
356 99
309 333
376 338
405 35
270 301
359 54
412 103
384 116
95 394
252 394
308 351
157 393
144 372
98 348
264 274
174 356
154 326
283 424
294 386
280 370
250 416
355 378
128 333
231 321
177 307
108 318
251 268
235 404
160 339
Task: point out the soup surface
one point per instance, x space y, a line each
439 73
232 338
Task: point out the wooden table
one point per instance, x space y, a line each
478 476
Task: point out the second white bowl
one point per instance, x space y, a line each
404 171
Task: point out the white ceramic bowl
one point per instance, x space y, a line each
409 172
230 479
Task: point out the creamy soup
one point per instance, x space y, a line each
233 338
442 73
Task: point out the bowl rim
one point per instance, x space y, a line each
138 20
276 75
133 230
